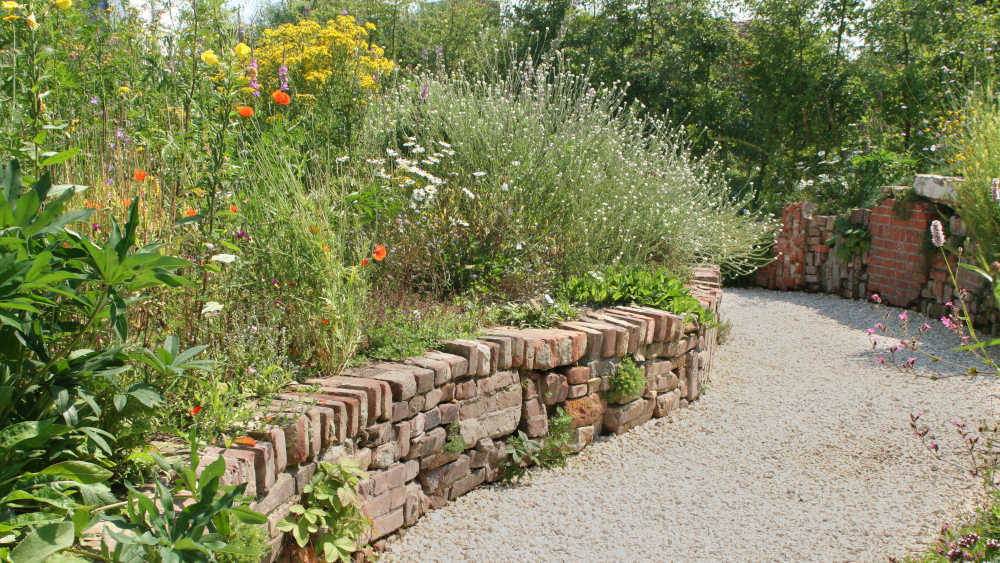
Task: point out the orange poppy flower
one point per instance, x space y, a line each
191 212
233 208
313 229
379 253
326 248
244 111
325 321
196 410
139 175
90 204
65 245
364 262
246 441
281 97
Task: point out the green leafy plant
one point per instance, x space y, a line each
634 284
62 404
627 382
849 239
522 452
410 329
253 540
555 447
330 518
153 529
532 314
455 443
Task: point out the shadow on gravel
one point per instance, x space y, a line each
860 316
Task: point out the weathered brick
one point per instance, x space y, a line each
263 464
505 353
432 398
465 390
553 388
416 405
506 398
577 391
459 365
383 456
391 478
474 352
400 411
500 423
535 426
387 523
441 368
239 467
472 408
295 426
449 412
585 411
444 476
281 491
467 483
577 375
594 336
401 431
416 504
620 419
432 419
274 435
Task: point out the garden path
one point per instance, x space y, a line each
799 450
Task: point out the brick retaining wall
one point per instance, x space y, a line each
393 417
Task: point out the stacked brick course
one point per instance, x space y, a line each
394 417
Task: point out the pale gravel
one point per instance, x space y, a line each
799 450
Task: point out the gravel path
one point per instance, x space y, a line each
800 450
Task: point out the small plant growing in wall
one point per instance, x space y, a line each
626 383
522 453
455 443
854 240
556 446
329 519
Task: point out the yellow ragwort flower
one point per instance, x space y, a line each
209 57
9 6
32 22
242 50
124 90
63 4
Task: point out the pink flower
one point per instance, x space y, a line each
902 316
876 298
881 360
937 233
870 331
925 326
949 304
910 362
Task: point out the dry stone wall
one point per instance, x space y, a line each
395 418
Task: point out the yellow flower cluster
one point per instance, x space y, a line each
317 54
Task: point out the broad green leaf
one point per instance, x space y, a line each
61 157
43 542
80 471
